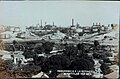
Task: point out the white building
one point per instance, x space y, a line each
54 36
17 56
5 35
78 30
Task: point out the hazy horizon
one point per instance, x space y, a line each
61 12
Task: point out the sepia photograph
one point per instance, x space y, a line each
59 39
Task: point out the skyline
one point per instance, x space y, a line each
61 12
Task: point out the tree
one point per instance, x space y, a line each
96 44
39 60
38 49
71 51
99 55
56 62
29 53
47 47
14 42
85 56
80 47
81 64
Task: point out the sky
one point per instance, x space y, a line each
26 13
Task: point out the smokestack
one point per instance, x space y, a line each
93 24
77 24
45 23
72 22
41 22
53 23
99 24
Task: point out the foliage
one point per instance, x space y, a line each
38 49
39 60
71 51
96 43
81 47
29 53
47 47
81 64
99 56
57 62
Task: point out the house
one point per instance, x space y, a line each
79 30
17 56
27 35
87 29
54 36
13 29
95 28
49 27
31 28
6 35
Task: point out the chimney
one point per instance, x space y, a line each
45 23
41 22
72 22
77 24
99 24
53 23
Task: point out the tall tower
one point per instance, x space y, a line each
77 24
72 22
53 23
41 22
45 23
99 24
